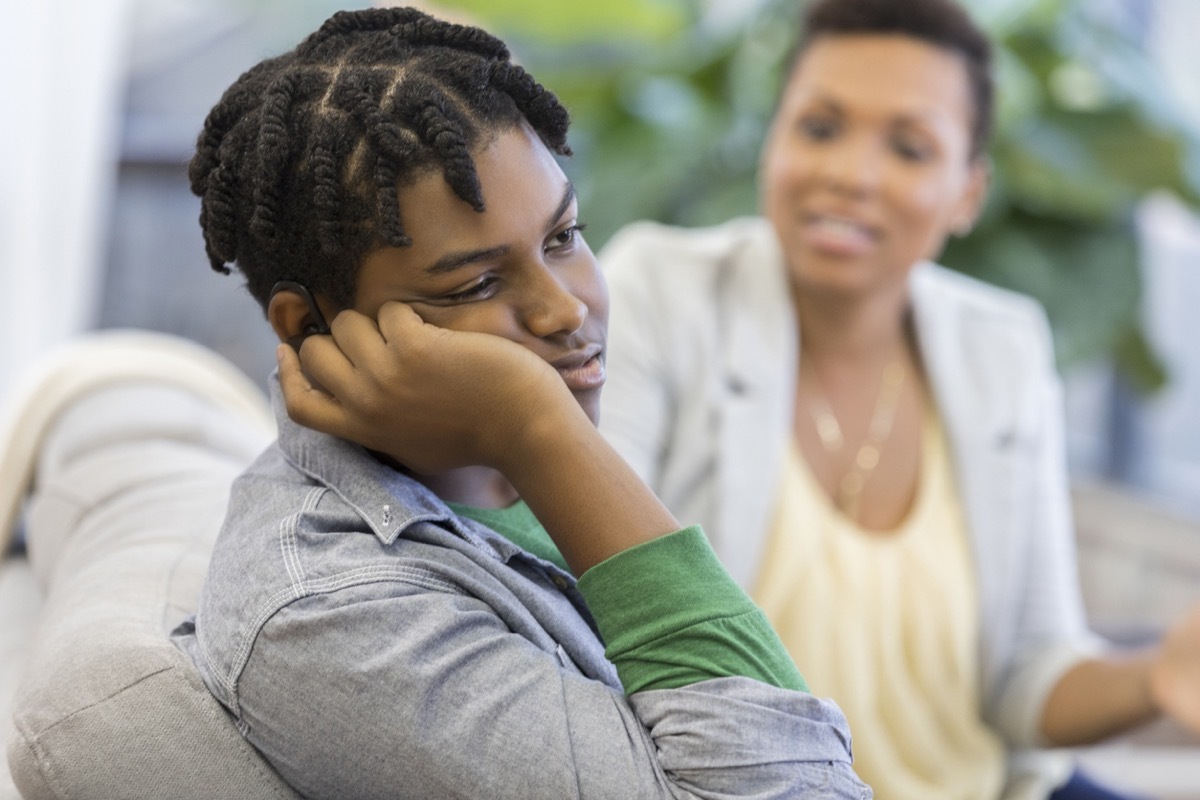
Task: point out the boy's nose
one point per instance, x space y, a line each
555 309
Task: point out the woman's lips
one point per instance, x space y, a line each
838 235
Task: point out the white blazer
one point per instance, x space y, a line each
702 360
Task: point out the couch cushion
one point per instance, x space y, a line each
131 490
19 604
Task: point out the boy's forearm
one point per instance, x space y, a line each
589 500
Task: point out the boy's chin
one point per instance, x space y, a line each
589 401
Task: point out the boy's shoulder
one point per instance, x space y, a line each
314 551
292 532
291 527
290 536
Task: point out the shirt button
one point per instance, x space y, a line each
560 582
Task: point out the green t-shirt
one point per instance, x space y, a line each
517 524
669 613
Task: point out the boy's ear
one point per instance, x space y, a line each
292 316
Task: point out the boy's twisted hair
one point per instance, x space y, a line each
299 164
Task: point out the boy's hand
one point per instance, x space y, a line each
431 398
435 399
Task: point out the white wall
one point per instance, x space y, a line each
62 69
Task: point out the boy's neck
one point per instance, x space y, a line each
481 487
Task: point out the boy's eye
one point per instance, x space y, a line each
566 238
476 291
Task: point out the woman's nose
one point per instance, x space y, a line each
853 165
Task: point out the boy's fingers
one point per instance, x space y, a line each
307 404
326 366
398 322
355 334
291 377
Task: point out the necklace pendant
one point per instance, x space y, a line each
850 493
867 458
848 496
829 432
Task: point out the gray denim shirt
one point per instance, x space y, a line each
371 643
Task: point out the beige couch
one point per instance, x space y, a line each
137 437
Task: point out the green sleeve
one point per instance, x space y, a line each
671 616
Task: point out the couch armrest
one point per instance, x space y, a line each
132 478
1139 564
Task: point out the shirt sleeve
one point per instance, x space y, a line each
671 616
418 682
1044 601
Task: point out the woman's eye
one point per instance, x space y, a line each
566 238
818 129
911 149
476 291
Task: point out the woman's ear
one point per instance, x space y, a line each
974 196
293 314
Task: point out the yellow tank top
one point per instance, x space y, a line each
888 626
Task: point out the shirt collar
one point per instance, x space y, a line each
388 501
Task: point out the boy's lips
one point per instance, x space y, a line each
582 370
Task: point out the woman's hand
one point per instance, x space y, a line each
431 398
1175 672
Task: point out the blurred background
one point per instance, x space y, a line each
1093 211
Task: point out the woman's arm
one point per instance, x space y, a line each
1099 698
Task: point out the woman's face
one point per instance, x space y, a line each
867 167
520 269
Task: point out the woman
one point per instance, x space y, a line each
873 443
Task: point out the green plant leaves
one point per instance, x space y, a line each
554 20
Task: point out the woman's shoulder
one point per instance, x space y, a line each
943 292
965 321
669 251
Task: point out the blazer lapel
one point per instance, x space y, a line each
758 351
981 429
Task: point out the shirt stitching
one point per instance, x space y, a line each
288 540
356 577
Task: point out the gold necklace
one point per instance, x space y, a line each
848 497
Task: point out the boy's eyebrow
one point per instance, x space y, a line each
452 261
567 198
